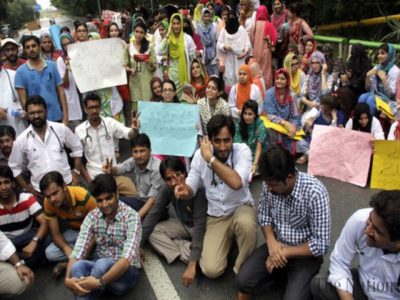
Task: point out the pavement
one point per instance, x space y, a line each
161 281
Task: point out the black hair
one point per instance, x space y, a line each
276 163
151 22
27 38
91 96
218 82
329 101
65 29
218 122
35 100
8 130
187 29
175 100
109 28
103 183
296 8
79 24
144 46
174 163
247 60
360 109
386 205
6 172
253 106
141 140
49 178
384 47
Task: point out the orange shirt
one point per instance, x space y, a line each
82 204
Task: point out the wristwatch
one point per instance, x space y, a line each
20 263
102 283
209 164
76 171
36 239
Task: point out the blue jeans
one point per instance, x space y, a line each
97 269
134 203
55 254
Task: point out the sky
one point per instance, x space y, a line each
44 3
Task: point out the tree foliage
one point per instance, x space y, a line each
16 12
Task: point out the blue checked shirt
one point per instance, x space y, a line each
301 217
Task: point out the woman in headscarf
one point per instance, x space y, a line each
358 66
247 14
298 80
207 31
48 51
310 48
161 59
300 31
319 83
197 14
69 85
180 49
381 79
140 61
279 19
198 78
263 38
244 90
257 77
282 109
233 47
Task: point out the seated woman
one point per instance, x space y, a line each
244 90
394 133
357 68
213 104
365 122
319 83
381 79
329 116
156 89
298 80
282 109
198 78
251 131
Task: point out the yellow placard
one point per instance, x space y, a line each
279 128
386 165
384 107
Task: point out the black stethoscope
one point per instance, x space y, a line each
108 136
62 148
15 99
214 182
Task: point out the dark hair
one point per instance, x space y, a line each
384 47
232 24
141 140
386 204
225 8
360 109
144 46
109 28
296 8
218 122
103 183
8 130
6 172
79 24
35 100
154 97
329 101
151 22
65 29
253 106
49 178
91 96
347 100
174 163
276 163
218 82
27 38
248 58
175 100
187 29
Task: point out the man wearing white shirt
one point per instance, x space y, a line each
223 168
97 136
15 277
373 236
41 148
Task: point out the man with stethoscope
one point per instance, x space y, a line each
41 148
11 112
97 136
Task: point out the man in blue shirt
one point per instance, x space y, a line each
40 77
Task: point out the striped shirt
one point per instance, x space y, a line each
118 239
19 219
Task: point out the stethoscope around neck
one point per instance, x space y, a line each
108 136
62 148
15 99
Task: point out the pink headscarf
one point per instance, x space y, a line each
269 29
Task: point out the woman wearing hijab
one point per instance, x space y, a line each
198 78
180 49
233 47
48 51
298 80
244 90
263 38
279 19
310 48
161 59
282 109
381 79
207 31
257 77
69 85
358 66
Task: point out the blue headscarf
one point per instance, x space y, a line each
389 62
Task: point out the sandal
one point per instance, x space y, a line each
302 160
59 270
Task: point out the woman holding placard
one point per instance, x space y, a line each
141 63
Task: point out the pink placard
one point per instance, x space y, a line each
341 154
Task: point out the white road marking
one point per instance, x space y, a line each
159 279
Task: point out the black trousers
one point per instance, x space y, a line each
298 274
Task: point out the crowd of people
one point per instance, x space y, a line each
66 198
